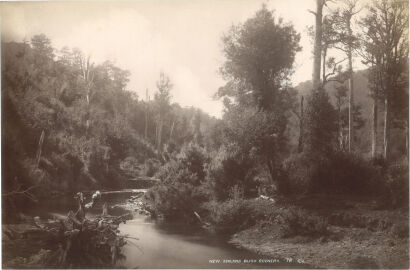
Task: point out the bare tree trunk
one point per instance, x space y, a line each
317 49
172 130
406 128
156 135
301 127
146 114
87 122
351 108
88 79
160 124
40 148
324 64
387 128
374 127
339 126
351 89
105 209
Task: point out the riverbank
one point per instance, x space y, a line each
357 237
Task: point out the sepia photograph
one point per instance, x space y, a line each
205 134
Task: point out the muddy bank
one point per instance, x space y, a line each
347 247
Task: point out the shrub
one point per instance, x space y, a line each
229 168
176 201
398 184
230 216
338 172
151 167
298 223
192 157
181 191
400 230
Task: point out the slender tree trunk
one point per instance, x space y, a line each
351 108
351 89
324 64
339 125
88 79
40 148
387 127
317 49
160 135
156 135
406 131
301 127
87 122
172 130
374 127
146 115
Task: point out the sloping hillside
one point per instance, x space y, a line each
362 98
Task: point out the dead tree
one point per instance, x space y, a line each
317 48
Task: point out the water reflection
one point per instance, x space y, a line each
165 245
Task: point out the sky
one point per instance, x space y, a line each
181 38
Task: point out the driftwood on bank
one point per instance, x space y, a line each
73 241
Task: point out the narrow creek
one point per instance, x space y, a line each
165 245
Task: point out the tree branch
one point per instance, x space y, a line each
22 192
334 69
314 13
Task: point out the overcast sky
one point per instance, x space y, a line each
180 37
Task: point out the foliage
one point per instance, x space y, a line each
257 73
397 185
400 230
162 106
181 191
151 167
73 242
385 49
230 216
296 222
230 168
94 127
339 172
257 140
258 99
320 124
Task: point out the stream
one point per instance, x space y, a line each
165 245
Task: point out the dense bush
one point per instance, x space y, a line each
181 191
95 133
229 168
400 230
232 215
338 172
177 201
397 184
151 167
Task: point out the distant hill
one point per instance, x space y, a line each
361 97
361 91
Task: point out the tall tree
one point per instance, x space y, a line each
259 59
162 100
320 115
317 47
385 49
341 20
146 114
198 138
